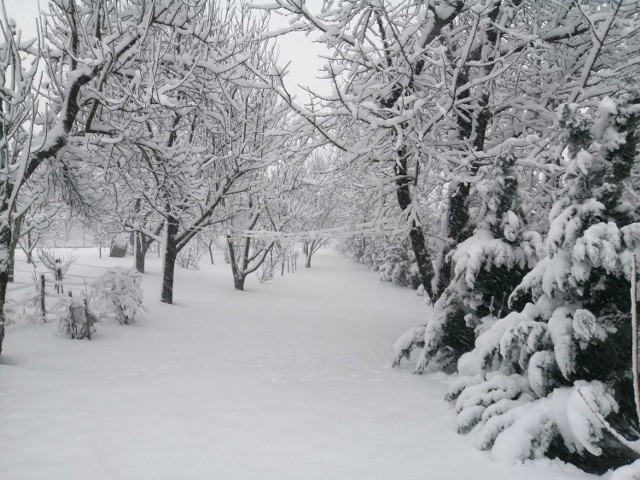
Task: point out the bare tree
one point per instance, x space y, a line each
85 47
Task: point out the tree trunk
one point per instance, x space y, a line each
5 244
131 241
15 235
209 247
472 124
458 228
459 220
140 254
169 261
238 282
30 248
416 236
142 247
307 263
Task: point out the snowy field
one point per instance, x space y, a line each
287 380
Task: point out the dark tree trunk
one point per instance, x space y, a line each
459 224
242 270
15 235
140 254
472 124
5 244
169 262
241 274
131 241
210 253
311 249
29 248
416 236
209 246
142 246
238 282
403 181
459 230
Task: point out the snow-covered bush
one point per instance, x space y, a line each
352 247
397 262
117 294
23 306
373 254
24 310
403 346
79 322
391 257
554 377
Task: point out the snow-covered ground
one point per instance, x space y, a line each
287 380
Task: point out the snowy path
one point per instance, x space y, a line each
288 380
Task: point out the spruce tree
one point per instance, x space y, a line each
487 267
554 378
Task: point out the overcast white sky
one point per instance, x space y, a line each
304 55
294 47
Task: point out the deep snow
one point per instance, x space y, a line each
287 380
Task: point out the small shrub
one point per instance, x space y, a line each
24 310
118 294
79 322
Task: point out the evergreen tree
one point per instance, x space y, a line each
542 380
487 267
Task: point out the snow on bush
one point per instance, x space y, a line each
392 257
117 294
554 370
79 322
23 310
533 427
519 426
405 344
396 267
